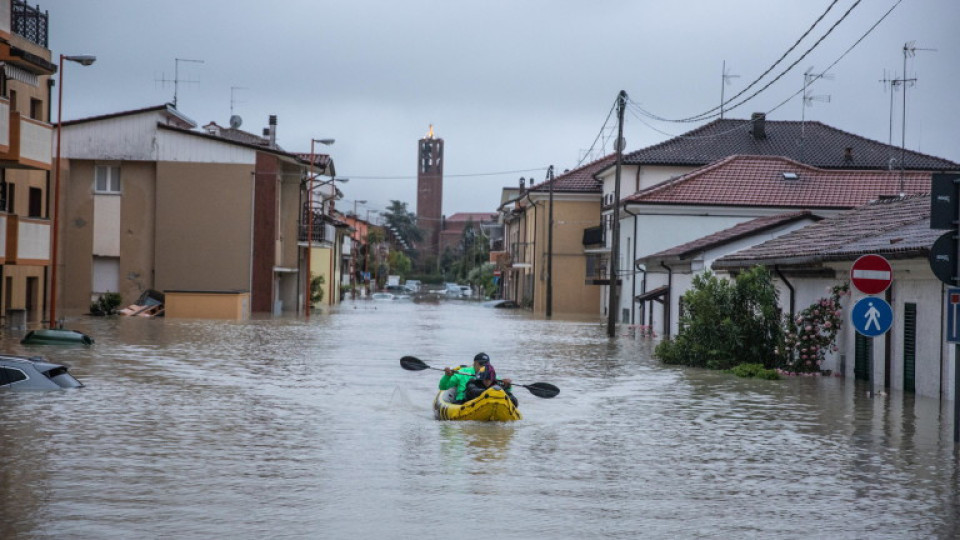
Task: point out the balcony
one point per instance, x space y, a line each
30 144
593 236
324 232
24 240
29 22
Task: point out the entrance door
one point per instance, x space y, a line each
909 347
863 357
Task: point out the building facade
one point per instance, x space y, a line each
26 159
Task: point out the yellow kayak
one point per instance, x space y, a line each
494 405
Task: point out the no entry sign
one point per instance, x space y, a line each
871 274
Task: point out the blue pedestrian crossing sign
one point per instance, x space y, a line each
871 316
953 315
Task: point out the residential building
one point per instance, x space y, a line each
26 160
452 227
809 143
576 263
914 355
152 203
668 274
734 191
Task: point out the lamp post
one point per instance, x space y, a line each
83 60
313 159
549 310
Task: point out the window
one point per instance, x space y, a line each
106 275
36 202
107 179
11 375
13 101
11 197
36 109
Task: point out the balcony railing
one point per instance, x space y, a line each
29 22
323 230
25 240
593 236
31 144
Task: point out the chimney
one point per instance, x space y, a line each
522 187
273 131
848 154
759 126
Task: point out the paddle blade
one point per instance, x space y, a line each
542 389
413 363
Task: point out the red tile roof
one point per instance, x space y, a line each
895 228
581 179
823 146
759 181
476 217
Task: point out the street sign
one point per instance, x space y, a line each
871 316
871 274
943 201
943 257
953 315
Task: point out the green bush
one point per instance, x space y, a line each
726 323
106 304
757 371
316 289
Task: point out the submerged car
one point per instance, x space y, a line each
34 373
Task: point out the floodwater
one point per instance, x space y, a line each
286 428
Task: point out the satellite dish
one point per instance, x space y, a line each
235 121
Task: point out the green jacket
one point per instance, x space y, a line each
460 378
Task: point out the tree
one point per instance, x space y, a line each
404 221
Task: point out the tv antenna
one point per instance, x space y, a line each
176 77
809 77
895 84
725 80
909 51
233 99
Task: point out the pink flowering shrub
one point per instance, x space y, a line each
812 333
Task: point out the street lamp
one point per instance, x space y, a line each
313 159
83 60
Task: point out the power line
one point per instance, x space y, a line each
471 175
746 125
710 114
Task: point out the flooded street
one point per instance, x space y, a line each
286 428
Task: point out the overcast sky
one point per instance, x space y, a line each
509 85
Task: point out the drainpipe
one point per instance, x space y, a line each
643 289
666 305
633 279
789 286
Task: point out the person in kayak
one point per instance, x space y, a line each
471 381
484 377
457 377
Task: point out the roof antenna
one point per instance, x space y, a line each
235 119
176 77
725 81
809 77
909 50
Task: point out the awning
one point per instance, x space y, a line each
652 294
19 74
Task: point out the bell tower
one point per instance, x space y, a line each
430 191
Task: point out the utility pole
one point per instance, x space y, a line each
615 245
549 312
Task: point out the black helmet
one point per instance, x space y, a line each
482 359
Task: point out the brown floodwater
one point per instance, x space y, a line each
287 428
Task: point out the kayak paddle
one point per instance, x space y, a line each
539 389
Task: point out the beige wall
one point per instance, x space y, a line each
78 225
570 293
204 235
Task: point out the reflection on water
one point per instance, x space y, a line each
307 429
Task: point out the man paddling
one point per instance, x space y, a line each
472 381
